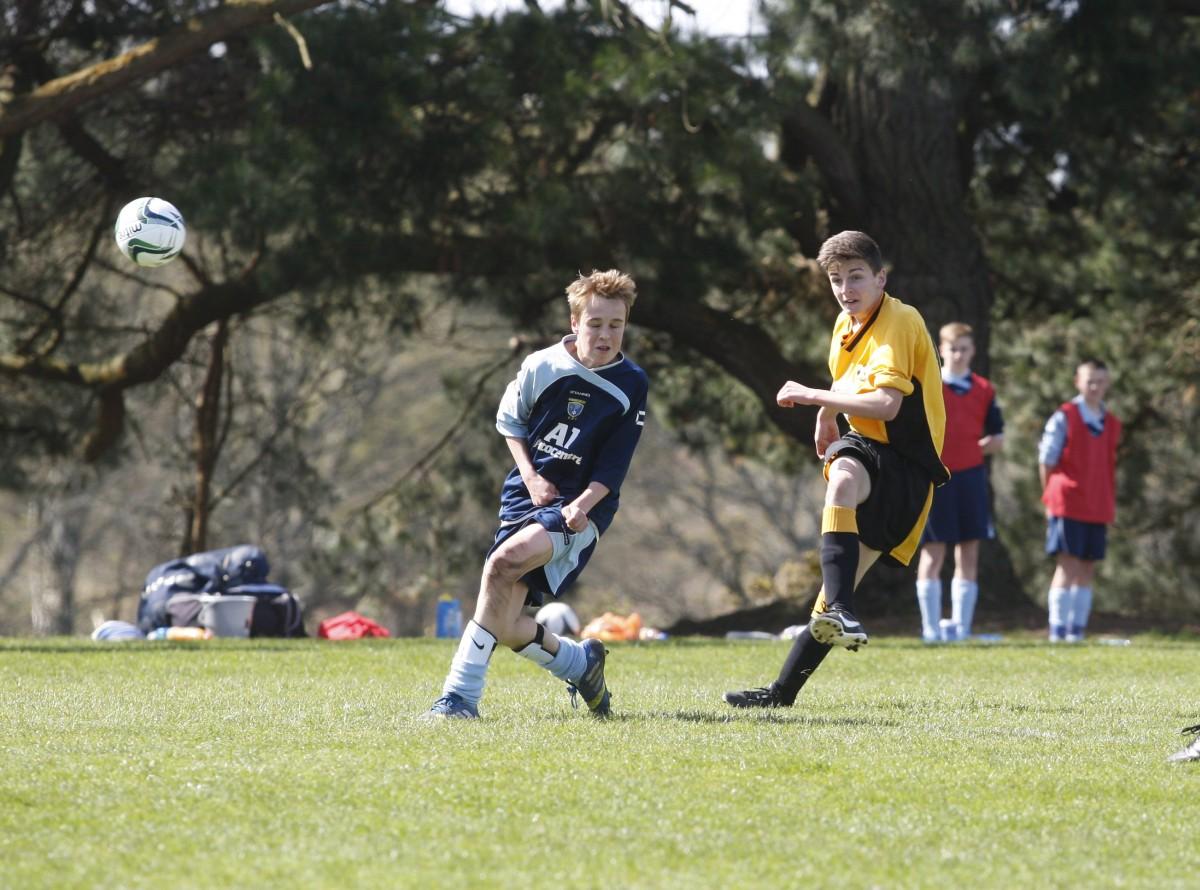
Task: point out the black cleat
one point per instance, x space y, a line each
591 686
763 697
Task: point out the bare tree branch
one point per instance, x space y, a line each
515 347
65 95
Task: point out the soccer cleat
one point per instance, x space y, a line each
763 697
1192 751
452 706
837 627
591 685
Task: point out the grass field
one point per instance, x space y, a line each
302 764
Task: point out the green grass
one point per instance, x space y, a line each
302 764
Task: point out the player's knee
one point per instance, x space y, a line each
504 565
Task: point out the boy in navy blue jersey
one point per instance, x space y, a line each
572 419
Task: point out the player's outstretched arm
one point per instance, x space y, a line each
879 404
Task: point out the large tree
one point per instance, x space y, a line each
489 156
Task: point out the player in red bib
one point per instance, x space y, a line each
1077 461
960 515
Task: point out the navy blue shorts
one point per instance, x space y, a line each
572 550
960 509
1083 540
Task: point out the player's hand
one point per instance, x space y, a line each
826 432
792 394
575 518
542 491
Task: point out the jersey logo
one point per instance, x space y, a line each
640 420
575 408
563 437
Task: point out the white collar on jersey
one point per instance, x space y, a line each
571 338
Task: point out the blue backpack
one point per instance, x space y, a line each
169 596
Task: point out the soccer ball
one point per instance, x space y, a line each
150 231
558 618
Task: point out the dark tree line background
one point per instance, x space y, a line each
363 178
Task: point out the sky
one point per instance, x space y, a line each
717 17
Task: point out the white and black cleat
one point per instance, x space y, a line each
837 627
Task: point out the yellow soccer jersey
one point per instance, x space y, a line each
893 349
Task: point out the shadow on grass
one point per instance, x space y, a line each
775 715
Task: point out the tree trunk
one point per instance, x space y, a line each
905 139
206 441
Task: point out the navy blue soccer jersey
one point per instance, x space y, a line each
581 424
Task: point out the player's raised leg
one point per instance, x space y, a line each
848 486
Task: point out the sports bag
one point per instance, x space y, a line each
170 596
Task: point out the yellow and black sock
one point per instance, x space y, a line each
839 555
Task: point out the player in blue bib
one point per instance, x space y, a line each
572 419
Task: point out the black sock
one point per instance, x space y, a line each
805 657
839 565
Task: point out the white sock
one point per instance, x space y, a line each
468 670
1057 606
963 594
929 599
1081 610
569 662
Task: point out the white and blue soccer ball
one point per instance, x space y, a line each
558 618
150 231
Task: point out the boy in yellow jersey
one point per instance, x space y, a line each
880 476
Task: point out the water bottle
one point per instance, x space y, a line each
449 617
180 633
